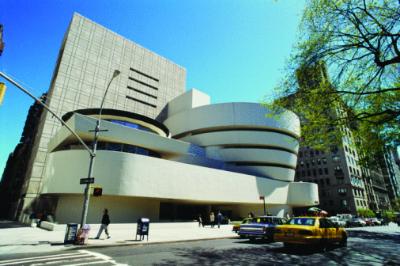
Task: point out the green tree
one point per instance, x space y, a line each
357 43
366 213
396 204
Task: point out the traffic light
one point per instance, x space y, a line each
97 191
2 91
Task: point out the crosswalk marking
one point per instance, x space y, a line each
44 258
82 257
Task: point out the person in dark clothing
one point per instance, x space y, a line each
105 221
200 220
219 218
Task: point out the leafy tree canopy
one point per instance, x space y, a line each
347 60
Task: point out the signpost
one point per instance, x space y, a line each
88 180
263 199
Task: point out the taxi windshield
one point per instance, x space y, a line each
265 220
302 221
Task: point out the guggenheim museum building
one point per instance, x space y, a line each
163 152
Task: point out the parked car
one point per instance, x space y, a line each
368 222
310 230
345 217
375 221
357 222
336 220
260 227
236 225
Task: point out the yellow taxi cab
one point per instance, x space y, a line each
236 225
310 230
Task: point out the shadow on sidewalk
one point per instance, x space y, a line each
11 224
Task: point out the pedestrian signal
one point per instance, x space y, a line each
97 191
2 91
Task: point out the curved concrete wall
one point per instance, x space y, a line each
125 174
246 135
232 115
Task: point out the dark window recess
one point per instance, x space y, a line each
144 74
144 83
142 92
140 101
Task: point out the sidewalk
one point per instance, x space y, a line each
33 240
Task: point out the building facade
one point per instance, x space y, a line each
391 173
88 57
338 175
344 184
166 154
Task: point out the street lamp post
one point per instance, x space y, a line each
93 153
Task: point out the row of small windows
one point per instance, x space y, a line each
313 172
344 203
109 146
349 150
131 125
354 171
358 192
313 162
310 152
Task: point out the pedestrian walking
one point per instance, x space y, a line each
105 221
219 218
212 219
200 220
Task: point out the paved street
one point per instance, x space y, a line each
364 248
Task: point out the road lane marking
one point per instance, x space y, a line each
82 257
43 258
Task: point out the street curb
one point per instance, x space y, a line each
145 243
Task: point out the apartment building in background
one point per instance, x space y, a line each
344 185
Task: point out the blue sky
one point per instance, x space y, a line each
232 50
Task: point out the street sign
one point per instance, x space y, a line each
88 180
262 197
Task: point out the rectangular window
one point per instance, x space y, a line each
320 171
326 171
145 75
140 101
142 92
143 83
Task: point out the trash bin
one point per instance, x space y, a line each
142 230
83 235
70 234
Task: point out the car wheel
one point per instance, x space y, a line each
252 239
323 244
343 241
